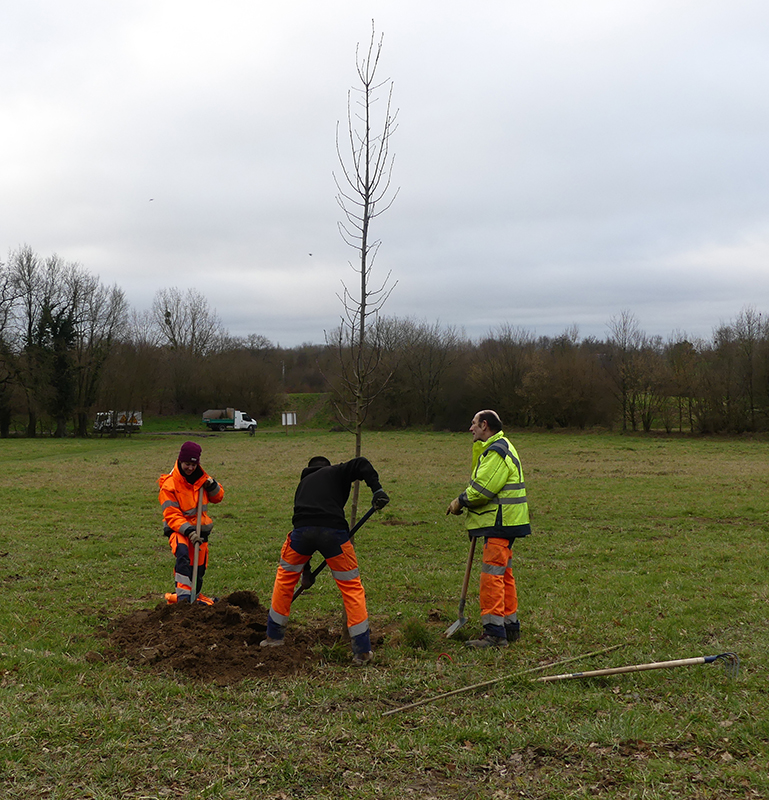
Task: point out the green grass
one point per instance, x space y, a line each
656 544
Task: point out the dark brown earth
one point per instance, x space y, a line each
217 643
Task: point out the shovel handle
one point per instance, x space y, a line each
194 587
468 570
461 620
299 589
362 520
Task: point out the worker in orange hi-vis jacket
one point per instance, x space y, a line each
179 495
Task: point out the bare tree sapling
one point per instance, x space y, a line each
363 195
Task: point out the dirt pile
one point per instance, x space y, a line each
218 643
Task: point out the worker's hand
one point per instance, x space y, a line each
195 538
380 499
210 483
308 579
454 507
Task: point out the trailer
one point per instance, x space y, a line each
117 422
229 419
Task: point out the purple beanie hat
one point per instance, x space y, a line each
190 452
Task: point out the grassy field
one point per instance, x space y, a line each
658 545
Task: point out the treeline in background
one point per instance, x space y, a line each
70 346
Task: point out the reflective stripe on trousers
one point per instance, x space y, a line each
499 599
340 557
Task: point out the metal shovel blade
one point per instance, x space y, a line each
462 619
455 626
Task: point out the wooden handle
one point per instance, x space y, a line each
194 587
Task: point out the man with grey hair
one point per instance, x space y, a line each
498 511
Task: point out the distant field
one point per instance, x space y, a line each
659 545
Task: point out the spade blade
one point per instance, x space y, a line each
455 626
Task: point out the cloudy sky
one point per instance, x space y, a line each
558 162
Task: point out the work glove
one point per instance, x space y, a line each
308 579
380 499
209 484
195 537
454 507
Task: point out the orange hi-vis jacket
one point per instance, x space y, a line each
179 503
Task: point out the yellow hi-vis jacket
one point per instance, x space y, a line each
495 499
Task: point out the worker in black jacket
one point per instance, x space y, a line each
319 524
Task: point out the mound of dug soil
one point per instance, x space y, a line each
218 643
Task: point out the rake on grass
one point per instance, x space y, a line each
485 684
730 662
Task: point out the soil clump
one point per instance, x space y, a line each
218 643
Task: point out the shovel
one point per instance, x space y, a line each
308 577
194 587
455 626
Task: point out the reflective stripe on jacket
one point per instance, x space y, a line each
179 503
496 496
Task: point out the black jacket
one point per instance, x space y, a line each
323 493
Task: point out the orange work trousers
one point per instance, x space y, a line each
499 598
337 548
184 551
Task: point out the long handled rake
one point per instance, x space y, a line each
730 662
485 684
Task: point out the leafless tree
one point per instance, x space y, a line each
363 195
185 323
189 332
43 329
141 329
100 314
652 385
426 353
503 361
624 344
132 375
719 406
684 365
566 384
8 350
750 330
66 322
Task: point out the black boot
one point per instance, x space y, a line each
513 631
487 640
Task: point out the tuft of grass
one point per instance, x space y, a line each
336 653
417 635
